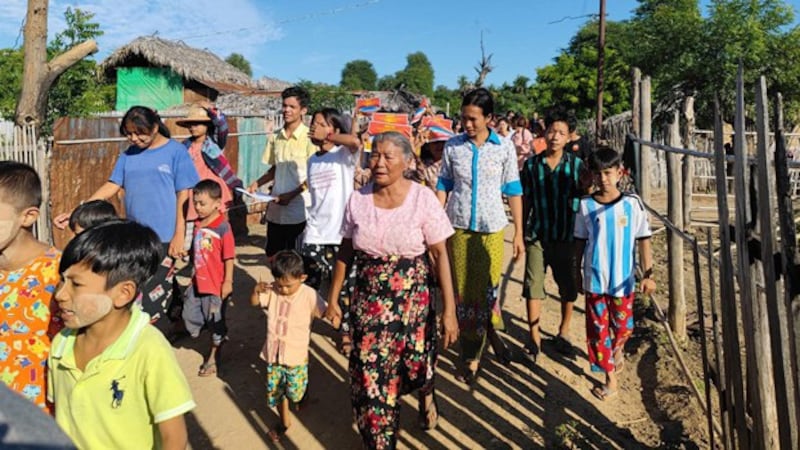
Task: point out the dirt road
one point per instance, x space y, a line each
520 406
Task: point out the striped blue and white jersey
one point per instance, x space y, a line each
610 231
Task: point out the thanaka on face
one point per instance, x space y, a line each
83 299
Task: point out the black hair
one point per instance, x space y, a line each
143 119
560 114
121 250
298 92
334 118
604 158
208 187
288 263
480 97
91 213
20 185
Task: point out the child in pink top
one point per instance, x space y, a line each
291 307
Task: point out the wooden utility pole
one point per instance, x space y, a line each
601 56
38 75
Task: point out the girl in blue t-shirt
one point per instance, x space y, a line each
156 173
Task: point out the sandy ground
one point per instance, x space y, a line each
520 406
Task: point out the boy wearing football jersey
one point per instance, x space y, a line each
608 226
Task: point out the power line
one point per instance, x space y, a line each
308 16
565 18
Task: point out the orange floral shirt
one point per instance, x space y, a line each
27 323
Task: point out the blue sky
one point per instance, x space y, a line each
313 39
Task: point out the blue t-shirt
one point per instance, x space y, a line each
151 178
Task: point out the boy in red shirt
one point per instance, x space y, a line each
213 250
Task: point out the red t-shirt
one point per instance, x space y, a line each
212 245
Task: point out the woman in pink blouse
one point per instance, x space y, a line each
390 226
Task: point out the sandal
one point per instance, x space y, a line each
604 392
425 421
277 433
467 376
207 369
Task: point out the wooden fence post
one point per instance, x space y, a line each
789 271
677 301
645 152
688 161
733 391
636 81
767 309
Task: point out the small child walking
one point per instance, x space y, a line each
213 251
28 278
290 306
608 226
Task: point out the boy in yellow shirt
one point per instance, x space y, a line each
114 379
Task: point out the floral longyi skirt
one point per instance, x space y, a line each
394 341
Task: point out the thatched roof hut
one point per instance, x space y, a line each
163 73
188 62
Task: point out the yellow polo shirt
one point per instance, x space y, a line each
289 154
118 401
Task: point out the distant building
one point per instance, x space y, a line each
162 74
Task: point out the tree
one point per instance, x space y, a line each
699 56
572 79
327 96
359 74
240 62
79 91
11 80
444 97
417 75
39 74
388 83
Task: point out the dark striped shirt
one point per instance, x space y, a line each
553 196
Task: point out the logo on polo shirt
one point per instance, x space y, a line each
116 393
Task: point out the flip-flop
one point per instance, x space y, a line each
467 376
603 392
207 369
277 433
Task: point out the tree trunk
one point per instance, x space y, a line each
38 75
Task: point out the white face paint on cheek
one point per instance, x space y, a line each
88 309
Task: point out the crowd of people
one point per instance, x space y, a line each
400 247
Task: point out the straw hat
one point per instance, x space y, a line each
196 114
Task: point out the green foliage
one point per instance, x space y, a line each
572 79
417 75
442 96
240 62
388 83
327 96
700 56
11 80
79 91
359 74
